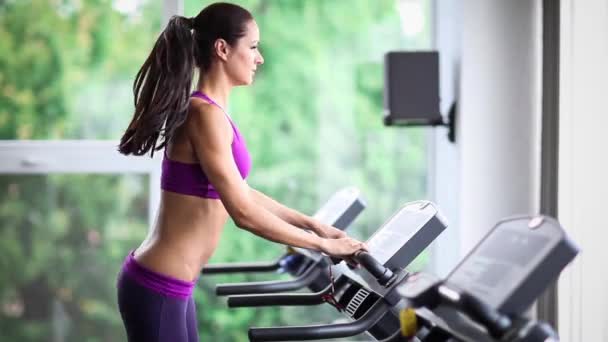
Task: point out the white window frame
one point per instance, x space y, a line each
28 157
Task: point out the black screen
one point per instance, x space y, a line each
412 87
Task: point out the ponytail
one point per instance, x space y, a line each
162 90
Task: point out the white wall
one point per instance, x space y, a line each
499 114
583 168
444 185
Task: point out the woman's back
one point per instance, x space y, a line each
187 222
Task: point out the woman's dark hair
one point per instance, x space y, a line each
163 84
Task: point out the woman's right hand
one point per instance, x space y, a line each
342 247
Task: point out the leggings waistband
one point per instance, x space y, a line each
155 281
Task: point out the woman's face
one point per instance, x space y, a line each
244 57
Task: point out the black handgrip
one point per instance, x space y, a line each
539 332
269 286
495 323
317 332
420 289
278 299
237 267
374 267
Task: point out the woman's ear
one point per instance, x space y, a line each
221 48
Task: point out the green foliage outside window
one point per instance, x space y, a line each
312 121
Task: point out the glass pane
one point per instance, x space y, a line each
319 97
62 241
67 67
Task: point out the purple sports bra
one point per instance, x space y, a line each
189 179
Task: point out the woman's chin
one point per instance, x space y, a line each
245 81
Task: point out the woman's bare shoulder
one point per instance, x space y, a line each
206 118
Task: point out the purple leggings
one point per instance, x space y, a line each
155 307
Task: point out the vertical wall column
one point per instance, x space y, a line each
444 175
498 129
583 167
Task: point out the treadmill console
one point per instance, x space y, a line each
514 263
406 234
400 240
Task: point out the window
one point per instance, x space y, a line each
69 206
62 238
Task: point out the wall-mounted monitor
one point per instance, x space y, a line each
411 88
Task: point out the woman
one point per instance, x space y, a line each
204 169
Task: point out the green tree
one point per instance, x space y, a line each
312 121
67 67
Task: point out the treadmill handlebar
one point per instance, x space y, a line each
423 290
539 332
269 286
317 332
278 299
374 267
245 267
496 323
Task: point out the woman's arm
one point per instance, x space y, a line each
211 136
295 217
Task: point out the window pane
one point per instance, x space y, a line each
313 124
67 67
62 241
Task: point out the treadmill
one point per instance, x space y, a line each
363 294
339 211
484 299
